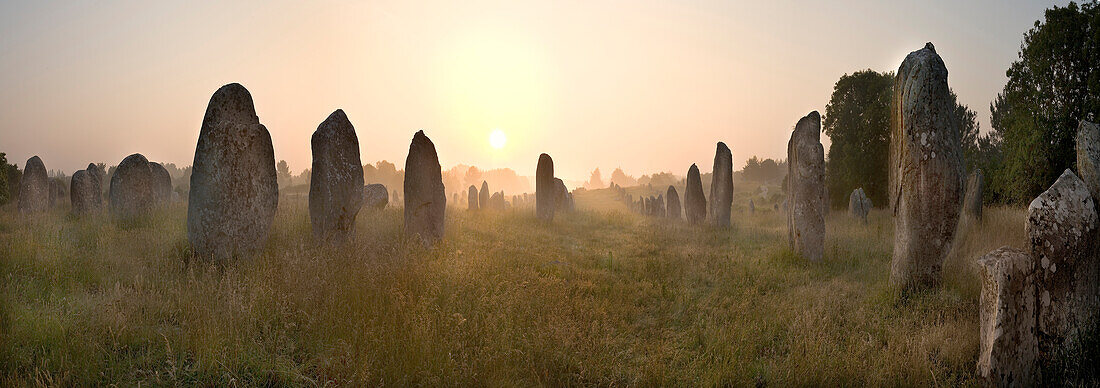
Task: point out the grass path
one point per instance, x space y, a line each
596 298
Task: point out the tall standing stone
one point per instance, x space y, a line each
721 187
483 195
473 198
336 184
1061 228
34 187
133 188
1088 156
234 192
162 182
926 169
695 203
806 188
975 189
84 192
545 188
673 206
425 198
1008 345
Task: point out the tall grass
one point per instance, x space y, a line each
598 297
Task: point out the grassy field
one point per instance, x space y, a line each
599 297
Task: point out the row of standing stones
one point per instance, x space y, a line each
137 186
1034 304
695 207
484 199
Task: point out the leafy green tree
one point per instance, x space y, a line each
857 120
5 194
282 174
1053 85
757 170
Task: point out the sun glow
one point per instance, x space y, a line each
497 139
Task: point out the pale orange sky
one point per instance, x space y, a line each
645 85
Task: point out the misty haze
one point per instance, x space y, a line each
502 193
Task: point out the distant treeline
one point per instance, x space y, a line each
755 170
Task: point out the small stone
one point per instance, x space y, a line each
375 196
34 188
673 203
134 188
84 193
473 198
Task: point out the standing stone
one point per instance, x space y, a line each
673 199
975 189
926 169
133 188
859 206
375 196
99 175
234 193
1088 156
84 192
1008 345
162 182
425 199
545 187
561 196
473 198
57 191
806 188
496 201
484 195
1061 228
695 203
721 187
336 184
752 207
34 187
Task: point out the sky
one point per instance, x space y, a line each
648 86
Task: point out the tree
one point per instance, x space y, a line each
282 174
1052 86
762 170
472 176
620 178
596 180
6 189
857 120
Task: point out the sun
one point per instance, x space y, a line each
497 139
